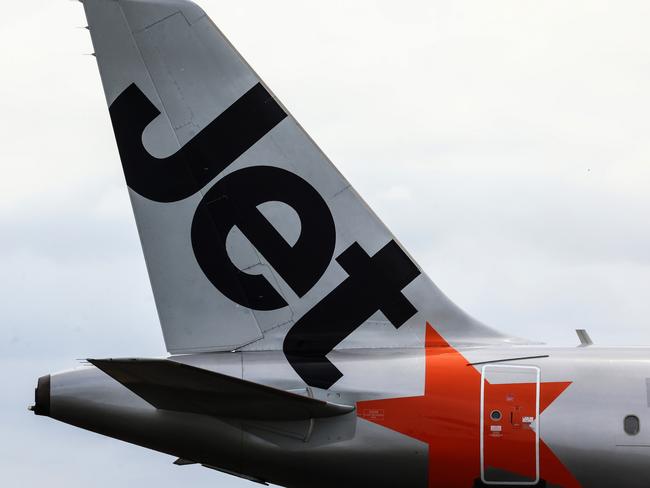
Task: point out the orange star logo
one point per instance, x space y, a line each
447 418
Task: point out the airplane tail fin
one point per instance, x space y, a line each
252 238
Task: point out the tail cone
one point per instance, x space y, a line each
42 395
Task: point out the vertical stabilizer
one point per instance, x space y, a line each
252 238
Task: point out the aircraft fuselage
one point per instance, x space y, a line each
417 420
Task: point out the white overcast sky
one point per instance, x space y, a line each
505 142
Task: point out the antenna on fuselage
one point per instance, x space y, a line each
585 340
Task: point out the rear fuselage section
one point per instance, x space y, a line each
435 417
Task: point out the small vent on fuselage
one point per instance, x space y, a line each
631 425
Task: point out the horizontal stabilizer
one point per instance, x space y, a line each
168 385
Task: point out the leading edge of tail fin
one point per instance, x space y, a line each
251 236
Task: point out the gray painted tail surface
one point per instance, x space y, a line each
253 240
168 385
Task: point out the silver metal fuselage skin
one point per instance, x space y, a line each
583 426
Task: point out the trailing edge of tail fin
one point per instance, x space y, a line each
252 238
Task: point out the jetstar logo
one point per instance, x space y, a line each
447 418
374 283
